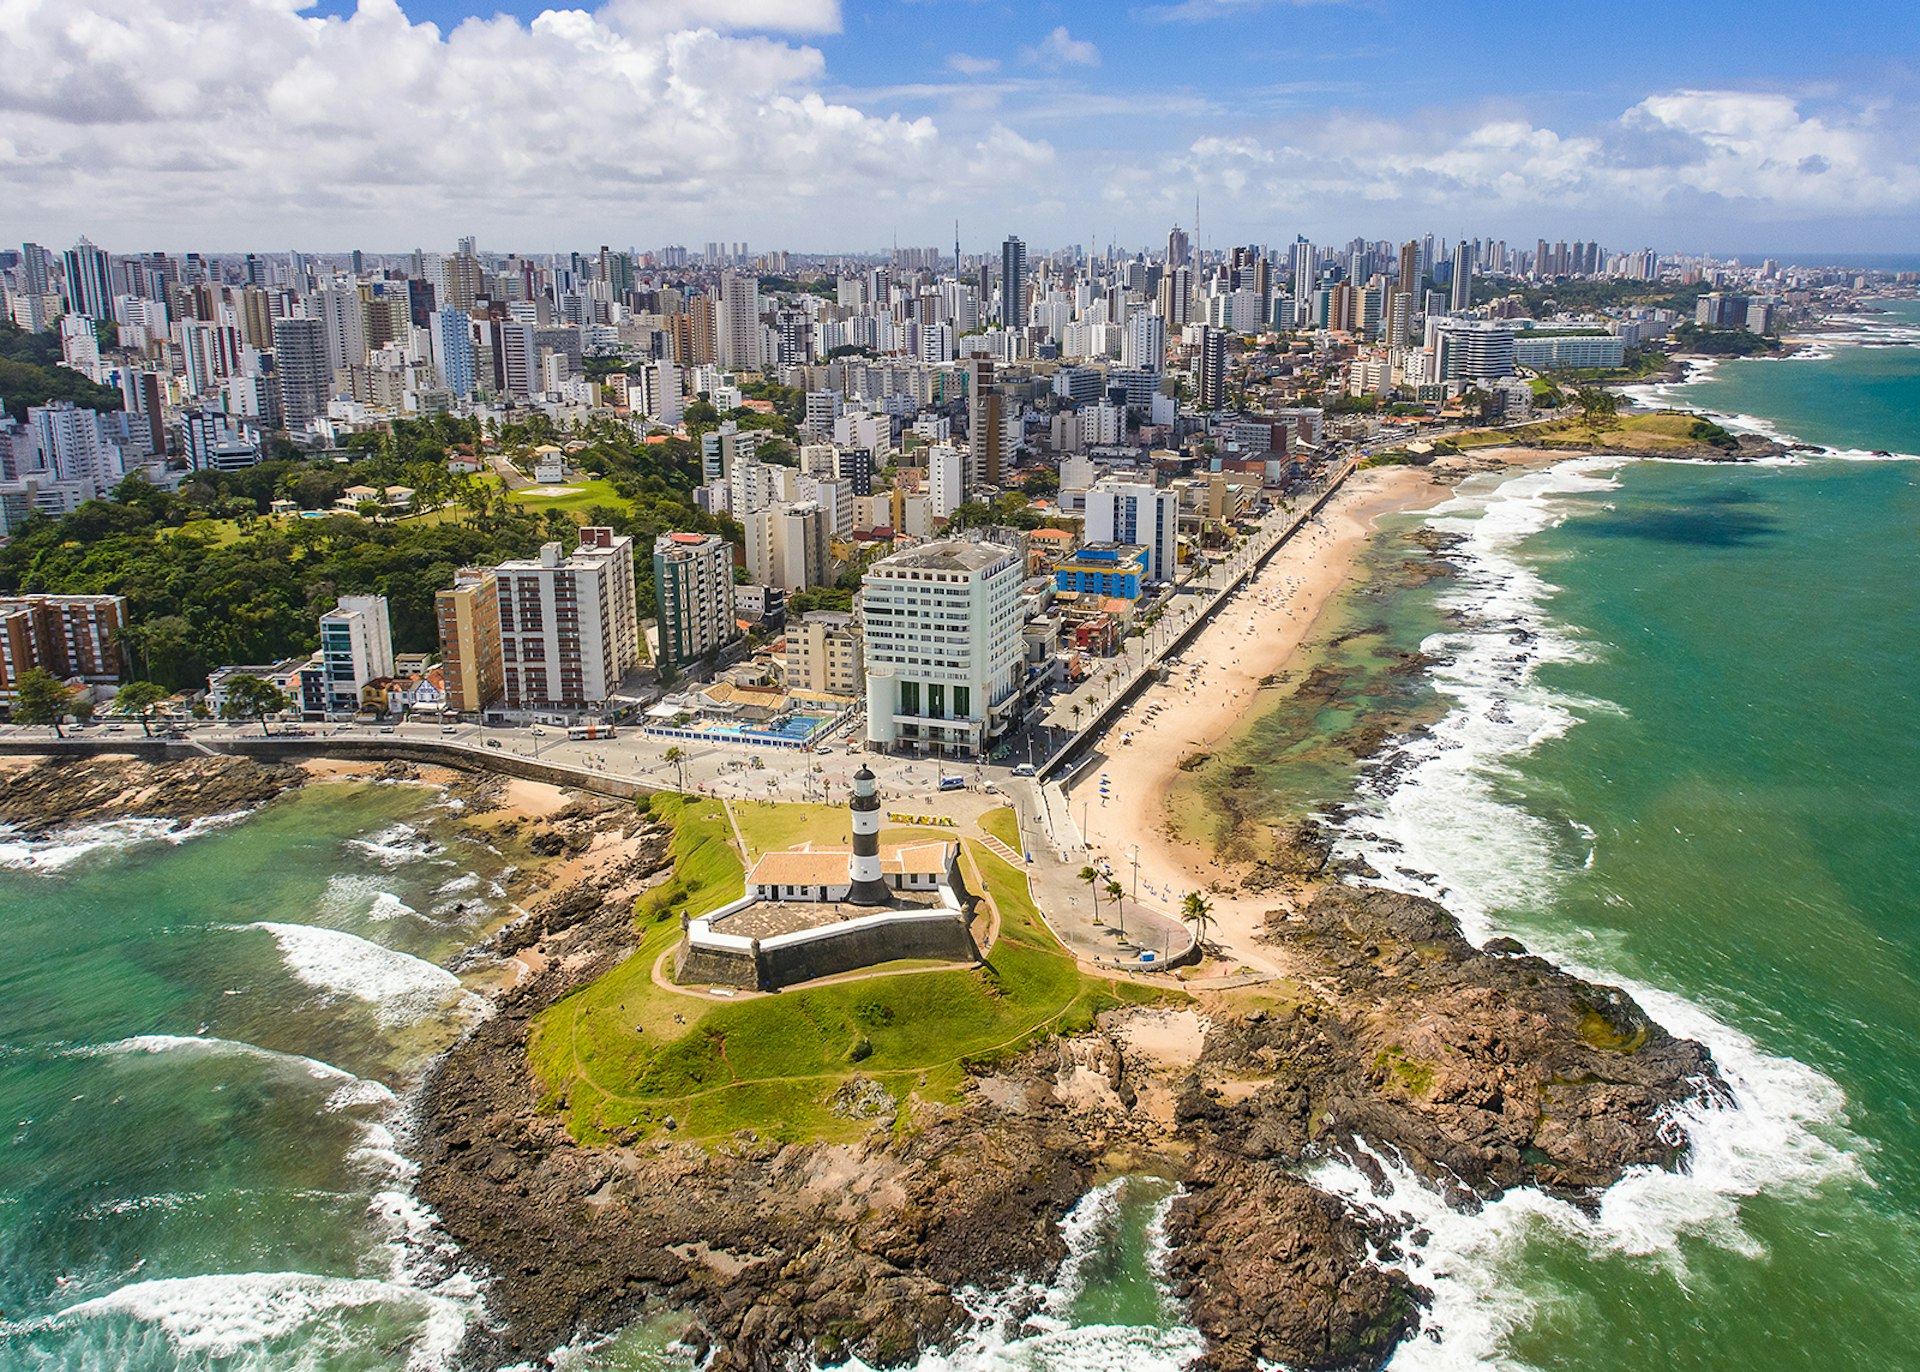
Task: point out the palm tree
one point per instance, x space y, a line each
1118 894
678 760
1197 910
1092 878
1077 712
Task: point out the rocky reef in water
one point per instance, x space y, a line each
60 791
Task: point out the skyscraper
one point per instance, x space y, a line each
301 371
89 281
1210 370
741 339
1179 248
693 590
1303 280
983 425
1461 298
1013 283
1410 267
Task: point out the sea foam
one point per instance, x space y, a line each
1432 818
66 846
404 988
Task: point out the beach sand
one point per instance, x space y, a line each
1206 700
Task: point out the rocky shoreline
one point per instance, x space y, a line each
1482 1069
61 791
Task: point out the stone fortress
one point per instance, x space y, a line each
813 912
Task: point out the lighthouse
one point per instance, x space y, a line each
863 865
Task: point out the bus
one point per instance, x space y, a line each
580 731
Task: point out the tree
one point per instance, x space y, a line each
1092 878
252 697
677 758
39 697
138 698
1197 911
1117 894
1597 406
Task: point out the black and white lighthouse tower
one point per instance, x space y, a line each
863 866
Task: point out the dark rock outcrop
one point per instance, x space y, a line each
61 791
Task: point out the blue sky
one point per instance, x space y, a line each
820 124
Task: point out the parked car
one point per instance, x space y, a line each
1025 769
493 743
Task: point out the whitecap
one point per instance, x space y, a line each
352 1090
63 847
1432 816
403 987
223 1315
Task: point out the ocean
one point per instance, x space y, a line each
1666 738
204 1036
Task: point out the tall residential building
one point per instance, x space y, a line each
984 435
941 645
356 647
1176 296
71 636
1013 283
1471 350
1134 512
300 370
1210 370
823 654
1304 280
569 631
1144 344
33 269
1410 267
789 546
450 336
342 315
519 359
742 339
946 480
693 594
470 660
1460 299
89 281
1179 248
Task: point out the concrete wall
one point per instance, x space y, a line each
944 940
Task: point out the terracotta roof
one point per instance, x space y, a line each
828 866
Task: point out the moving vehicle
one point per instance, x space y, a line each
580 731
952 783
1025 769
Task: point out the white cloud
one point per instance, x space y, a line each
1062 49
183 121
969 65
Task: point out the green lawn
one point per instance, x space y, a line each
615 1065
587 493
1002 825
1661 432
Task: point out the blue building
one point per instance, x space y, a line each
1103 569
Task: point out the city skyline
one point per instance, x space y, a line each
818 126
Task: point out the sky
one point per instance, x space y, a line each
830 125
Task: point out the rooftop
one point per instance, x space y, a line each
948 555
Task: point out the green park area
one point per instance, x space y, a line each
622 1057
574 497
1666 431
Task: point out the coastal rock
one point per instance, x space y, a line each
67 791
1495 1071
1276 1272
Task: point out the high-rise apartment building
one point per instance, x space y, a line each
71 636
946 480
693 594
1134 512
1460 299
789 545
1143 346
742 337
1179 248
300 370
1304 280
984 436
89 281
823 654
469 619
1210 370
1013 283
356 647
569 631
342 315
941 647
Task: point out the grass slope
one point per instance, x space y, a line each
588 493
618 1058
1667 431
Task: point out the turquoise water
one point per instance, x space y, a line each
1859 396
201 1043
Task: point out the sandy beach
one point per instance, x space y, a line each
1213 691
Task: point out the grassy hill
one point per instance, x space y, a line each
618 1058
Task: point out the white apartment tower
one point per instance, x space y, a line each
742 342
790 546
941 642
1134 512
693 588
568 627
